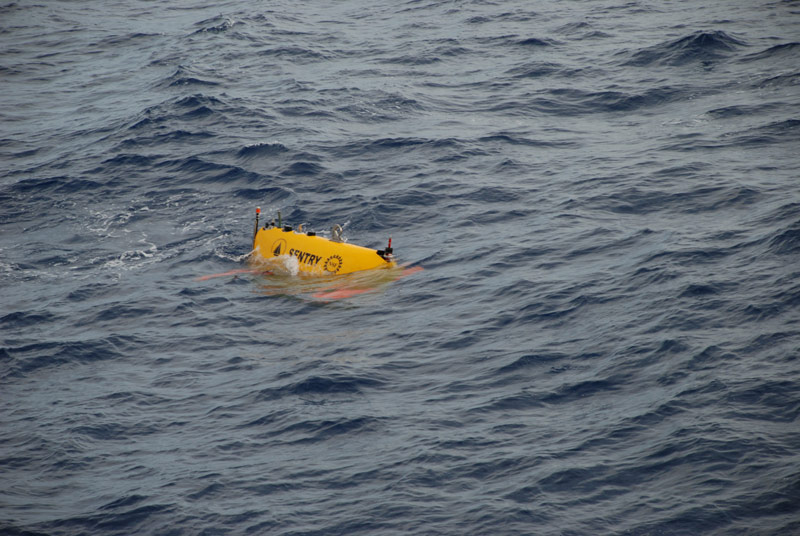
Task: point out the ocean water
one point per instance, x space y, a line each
604 199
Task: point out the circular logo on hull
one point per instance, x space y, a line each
278 247
333 264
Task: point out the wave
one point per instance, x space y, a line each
379 147
26 359
215 25
698 47
296 53
543 69
744 110
791 79
315 387
183 77
259 150
771 134
774 134
636 200
570 101
535 42
175 112
787 51
61 185
787 240
374 106
125 39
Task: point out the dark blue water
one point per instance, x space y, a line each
605 199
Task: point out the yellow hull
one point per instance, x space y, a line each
316 254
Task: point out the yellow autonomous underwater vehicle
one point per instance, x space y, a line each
280 254
317 254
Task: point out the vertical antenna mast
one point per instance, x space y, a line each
255 230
